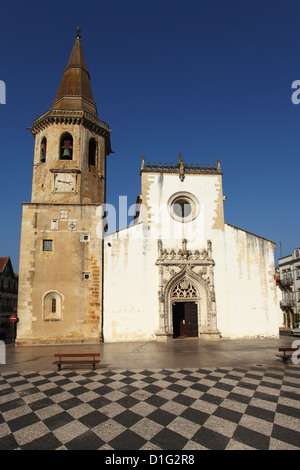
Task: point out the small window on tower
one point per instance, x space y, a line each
53 306
92 152
47 245
66 147
43 150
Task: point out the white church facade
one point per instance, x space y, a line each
178 271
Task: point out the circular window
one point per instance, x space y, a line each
183 207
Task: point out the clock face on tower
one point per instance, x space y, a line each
65 182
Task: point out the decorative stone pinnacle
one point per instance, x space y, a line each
181 168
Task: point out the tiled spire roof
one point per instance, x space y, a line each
75 92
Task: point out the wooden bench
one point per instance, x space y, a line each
92 362
285 357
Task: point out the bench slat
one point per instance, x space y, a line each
288 349
78 355
76 362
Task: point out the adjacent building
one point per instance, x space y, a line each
289 283
8 298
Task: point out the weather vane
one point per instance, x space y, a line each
78 32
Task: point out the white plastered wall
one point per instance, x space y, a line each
130 286
252 307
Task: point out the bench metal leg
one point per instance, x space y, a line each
285 358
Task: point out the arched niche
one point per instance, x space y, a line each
52 306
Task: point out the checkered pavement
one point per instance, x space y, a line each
190 409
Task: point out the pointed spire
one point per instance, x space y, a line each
75 92
78 32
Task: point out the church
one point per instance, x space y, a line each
177 271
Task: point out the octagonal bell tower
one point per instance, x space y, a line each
71 143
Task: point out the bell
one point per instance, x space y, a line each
66 154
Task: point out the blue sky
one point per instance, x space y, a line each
206 78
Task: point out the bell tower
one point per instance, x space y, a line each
60 289
71 143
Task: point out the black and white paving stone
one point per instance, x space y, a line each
172 409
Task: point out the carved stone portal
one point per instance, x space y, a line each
187 275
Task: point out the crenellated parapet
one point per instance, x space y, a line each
181 168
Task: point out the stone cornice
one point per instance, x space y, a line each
54 116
